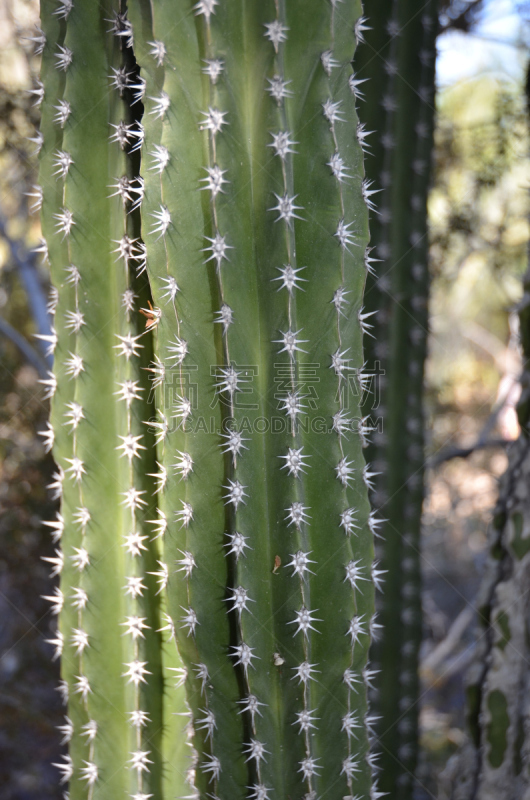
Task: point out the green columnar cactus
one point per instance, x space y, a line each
398 59
493 760
214 492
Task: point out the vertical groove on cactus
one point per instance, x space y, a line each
145 573
229 385
158 730
400 105
175 154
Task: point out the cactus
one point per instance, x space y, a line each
204 215
493 759
398 61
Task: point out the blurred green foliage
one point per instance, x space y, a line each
479 230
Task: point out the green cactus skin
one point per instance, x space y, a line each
399 109
238 498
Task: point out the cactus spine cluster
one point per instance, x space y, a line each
204 214
398 59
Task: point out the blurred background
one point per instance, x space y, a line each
478 210
479 235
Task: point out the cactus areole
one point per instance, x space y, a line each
204 214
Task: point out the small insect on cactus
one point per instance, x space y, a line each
204 213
